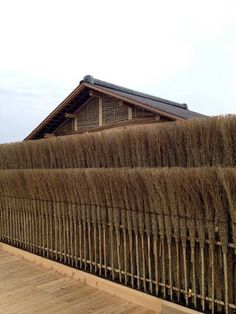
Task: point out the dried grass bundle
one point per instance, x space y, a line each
228 179
51 209
192 143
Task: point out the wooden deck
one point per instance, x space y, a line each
28 288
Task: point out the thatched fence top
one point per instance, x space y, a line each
192 143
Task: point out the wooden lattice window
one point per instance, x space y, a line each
88 115
141 113
113 110
65 128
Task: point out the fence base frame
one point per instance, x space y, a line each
149 302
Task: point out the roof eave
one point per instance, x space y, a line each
84 85
70 97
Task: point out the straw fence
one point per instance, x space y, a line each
194 143
169 232
161 219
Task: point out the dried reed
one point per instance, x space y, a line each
193 143
46 211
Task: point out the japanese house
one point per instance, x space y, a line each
97 105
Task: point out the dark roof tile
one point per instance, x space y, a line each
171 107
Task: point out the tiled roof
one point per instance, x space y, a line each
174 108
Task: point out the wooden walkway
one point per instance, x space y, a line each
28 288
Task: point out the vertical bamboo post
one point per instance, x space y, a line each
99 221
152 227
155 239
75 234
21 226
135 215
79 213
117 220
44 227
110 218
168 228
211 237
128 222
94 221
10 221
104 226
125 253
144 263
23 223
39 217
177 267
52 237
31 226
66 208
71 233
223 232
124 231
84 219
162 237
35 226
130 233
192 232
89 221
46 215
184 245
56 229
201 236
141 222
148 233
212 280
60 232
64 232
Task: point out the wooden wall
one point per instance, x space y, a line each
110 110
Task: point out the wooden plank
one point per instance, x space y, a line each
148 304
26 287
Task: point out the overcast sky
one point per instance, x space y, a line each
181 50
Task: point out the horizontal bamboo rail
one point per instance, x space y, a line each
61 232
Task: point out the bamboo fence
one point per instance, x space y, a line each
167 232
192 143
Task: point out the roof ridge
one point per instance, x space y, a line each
91 80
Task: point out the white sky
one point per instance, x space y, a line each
181 50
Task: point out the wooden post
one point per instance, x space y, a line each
130 113
100 110
76 124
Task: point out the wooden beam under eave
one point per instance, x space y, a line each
70 115
93 93
48 135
